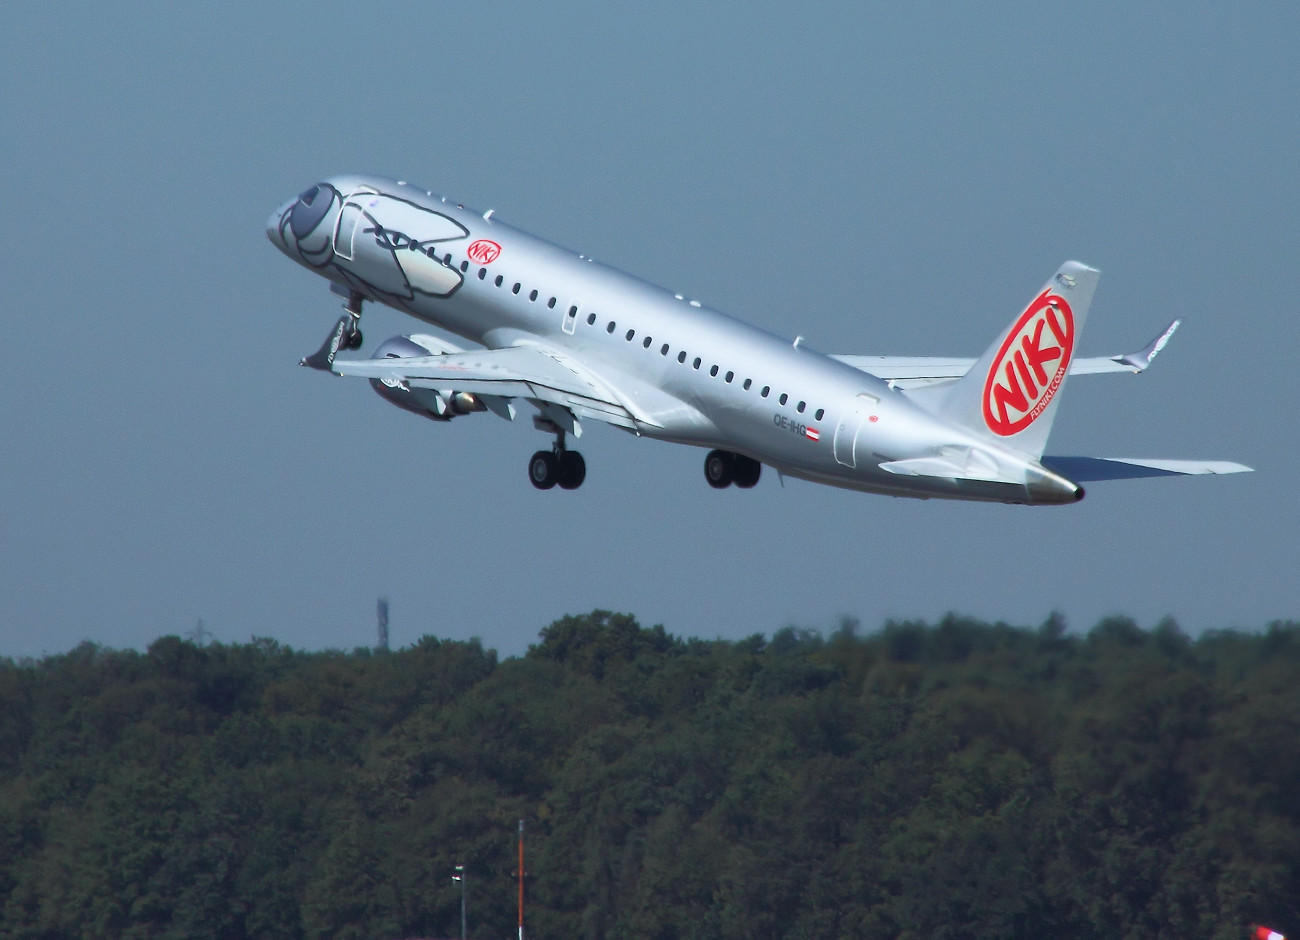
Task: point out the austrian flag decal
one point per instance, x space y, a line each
812 434
1030 365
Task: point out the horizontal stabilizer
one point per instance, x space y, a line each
909 372
1089 469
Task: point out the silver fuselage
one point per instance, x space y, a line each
688 374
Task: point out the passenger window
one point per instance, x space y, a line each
696 363
800 407
681 356
821 412
645 344
766 389
515 289
482 273
590 319
464 266
784 398
714 372
533 296
498 281
663 350
748 383
551 303
612 326
730 376
630 334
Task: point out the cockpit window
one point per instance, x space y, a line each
311 209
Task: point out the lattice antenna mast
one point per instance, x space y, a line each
200 635
382 612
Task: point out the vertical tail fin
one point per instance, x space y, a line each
1012 392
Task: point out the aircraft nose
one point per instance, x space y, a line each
274 220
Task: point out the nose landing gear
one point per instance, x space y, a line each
352 328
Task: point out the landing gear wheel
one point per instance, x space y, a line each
558 466
543 470
573 470
745 471
718 469
354 339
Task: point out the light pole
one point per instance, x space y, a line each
460 876
521 879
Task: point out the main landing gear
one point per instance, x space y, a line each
723 468
547 468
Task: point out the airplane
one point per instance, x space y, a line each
579 342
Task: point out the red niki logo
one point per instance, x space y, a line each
483 251
1019 386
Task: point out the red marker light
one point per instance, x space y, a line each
1264 933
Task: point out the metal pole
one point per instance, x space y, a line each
521 879
460 876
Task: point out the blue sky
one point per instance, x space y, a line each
895 179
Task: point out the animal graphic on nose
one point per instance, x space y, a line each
385 244
308 226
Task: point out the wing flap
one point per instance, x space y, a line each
514 372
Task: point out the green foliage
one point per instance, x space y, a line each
952 780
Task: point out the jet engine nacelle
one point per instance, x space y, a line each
435 404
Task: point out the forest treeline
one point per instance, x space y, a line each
953 780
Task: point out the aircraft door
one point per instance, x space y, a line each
846 432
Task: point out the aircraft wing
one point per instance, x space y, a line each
1087 469
920 371
542 376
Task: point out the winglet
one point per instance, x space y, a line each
1142 358
323 358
